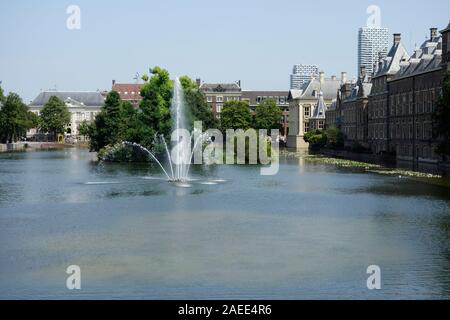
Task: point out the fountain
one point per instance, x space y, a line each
180 157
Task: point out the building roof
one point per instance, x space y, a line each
320 109
311 89
92 98
220 87
427 57
128 91
446 29
392 63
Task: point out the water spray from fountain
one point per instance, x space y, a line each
180 157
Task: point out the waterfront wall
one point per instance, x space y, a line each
390 161
22 146
12 147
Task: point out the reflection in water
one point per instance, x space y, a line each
309 232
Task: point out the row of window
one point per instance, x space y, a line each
425 152
221 99
424 131
279 100
377 131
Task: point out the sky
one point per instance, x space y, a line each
256 42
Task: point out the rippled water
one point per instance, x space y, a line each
309 232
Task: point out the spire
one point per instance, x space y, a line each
319 111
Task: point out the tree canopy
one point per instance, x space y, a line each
2 95
54 116
236 115
197 107
267 115
15 119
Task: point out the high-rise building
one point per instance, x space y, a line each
372 45
302 74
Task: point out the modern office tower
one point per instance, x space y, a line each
372 44
301 74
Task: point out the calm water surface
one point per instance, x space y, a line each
309 232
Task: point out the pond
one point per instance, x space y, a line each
309 232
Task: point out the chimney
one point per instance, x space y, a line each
344 77
199 82
322 76
433 33
333 77
397 38
362 72
113 82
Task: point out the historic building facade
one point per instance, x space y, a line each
352 105
302 106
413 93
130 92
83 106
218 93
378 109
254 98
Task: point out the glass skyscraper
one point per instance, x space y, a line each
371 42
302 73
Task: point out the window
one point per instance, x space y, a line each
306 126
209 99
218 108
307 111
321 124
219 99
258 100
282 100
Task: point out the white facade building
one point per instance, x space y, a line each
83 106
301 74
372 45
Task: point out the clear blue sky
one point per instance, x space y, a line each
255 41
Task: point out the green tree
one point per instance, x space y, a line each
441 118
197 107
129 123
335 138
106 128
267 115
84 128
236 115
155 115
2 96
316 138
15 119
54 117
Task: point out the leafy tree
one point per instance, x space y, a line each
84 128
316 138
145 78
335 138
129 123
106 128
155 107
441 117
267 115
54 117
15 119
198 109
236 115
2 96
